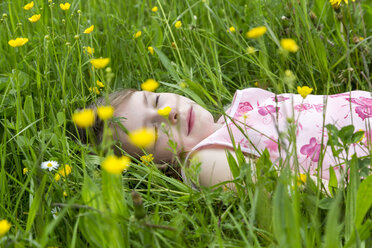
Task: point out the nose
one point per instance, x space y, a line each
173 116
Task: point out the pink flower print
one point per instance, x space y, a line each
364 108
244 143
303 107
279 98
243 108
318 107
266 110
364 111
311 150
271 145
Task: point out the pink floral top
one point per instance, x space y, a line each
263 115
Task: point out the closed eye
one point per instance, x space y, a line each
156 134
157 100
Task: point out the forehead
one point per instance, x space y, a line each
132 109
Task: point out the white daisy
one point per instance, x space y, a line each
49 165
55 211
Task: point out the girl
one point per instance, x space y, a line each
287 125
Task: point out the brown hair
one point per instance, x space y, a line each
114 99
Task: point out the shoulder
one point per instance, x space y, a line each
214 165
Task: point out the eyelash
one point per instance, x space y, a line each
157 100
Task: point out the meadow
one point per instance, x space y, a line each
198 48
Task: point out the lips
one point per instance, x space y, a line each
190 120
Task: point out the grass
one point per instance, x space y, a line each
43 82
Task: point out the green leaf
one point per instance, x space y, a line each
332 180
36 203
364 200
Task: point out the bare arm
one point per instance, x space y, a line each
214 166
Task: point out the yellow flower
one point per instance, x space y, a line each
301 179
142 138
64 171
89 30
304 91
94 89
154 9
289 45
34 18
256 32
255 84
64 193
231 29
151 50
29 5
18 42
100 84
251 50
178 24
336 3
4 227
25 171
150 85
100 63
288 73
89 50
138 34
165 111
115 165
105 112
84 118
146 159
65 6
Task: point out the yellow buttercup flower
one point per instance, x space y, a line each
64 171
100 63
142 138
84 118
4 227
304 91
154 9
146 159
256 32
178 24
100 84
336 3
65 6
34 18
25 171
64 193
89 50
89 30
231 29
94 89
301 179
289 44
29 5
151 50
115 165
251 50
18 42
105 112
164 111
138 34
150 85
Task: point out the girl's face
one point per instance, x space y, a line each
187 124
